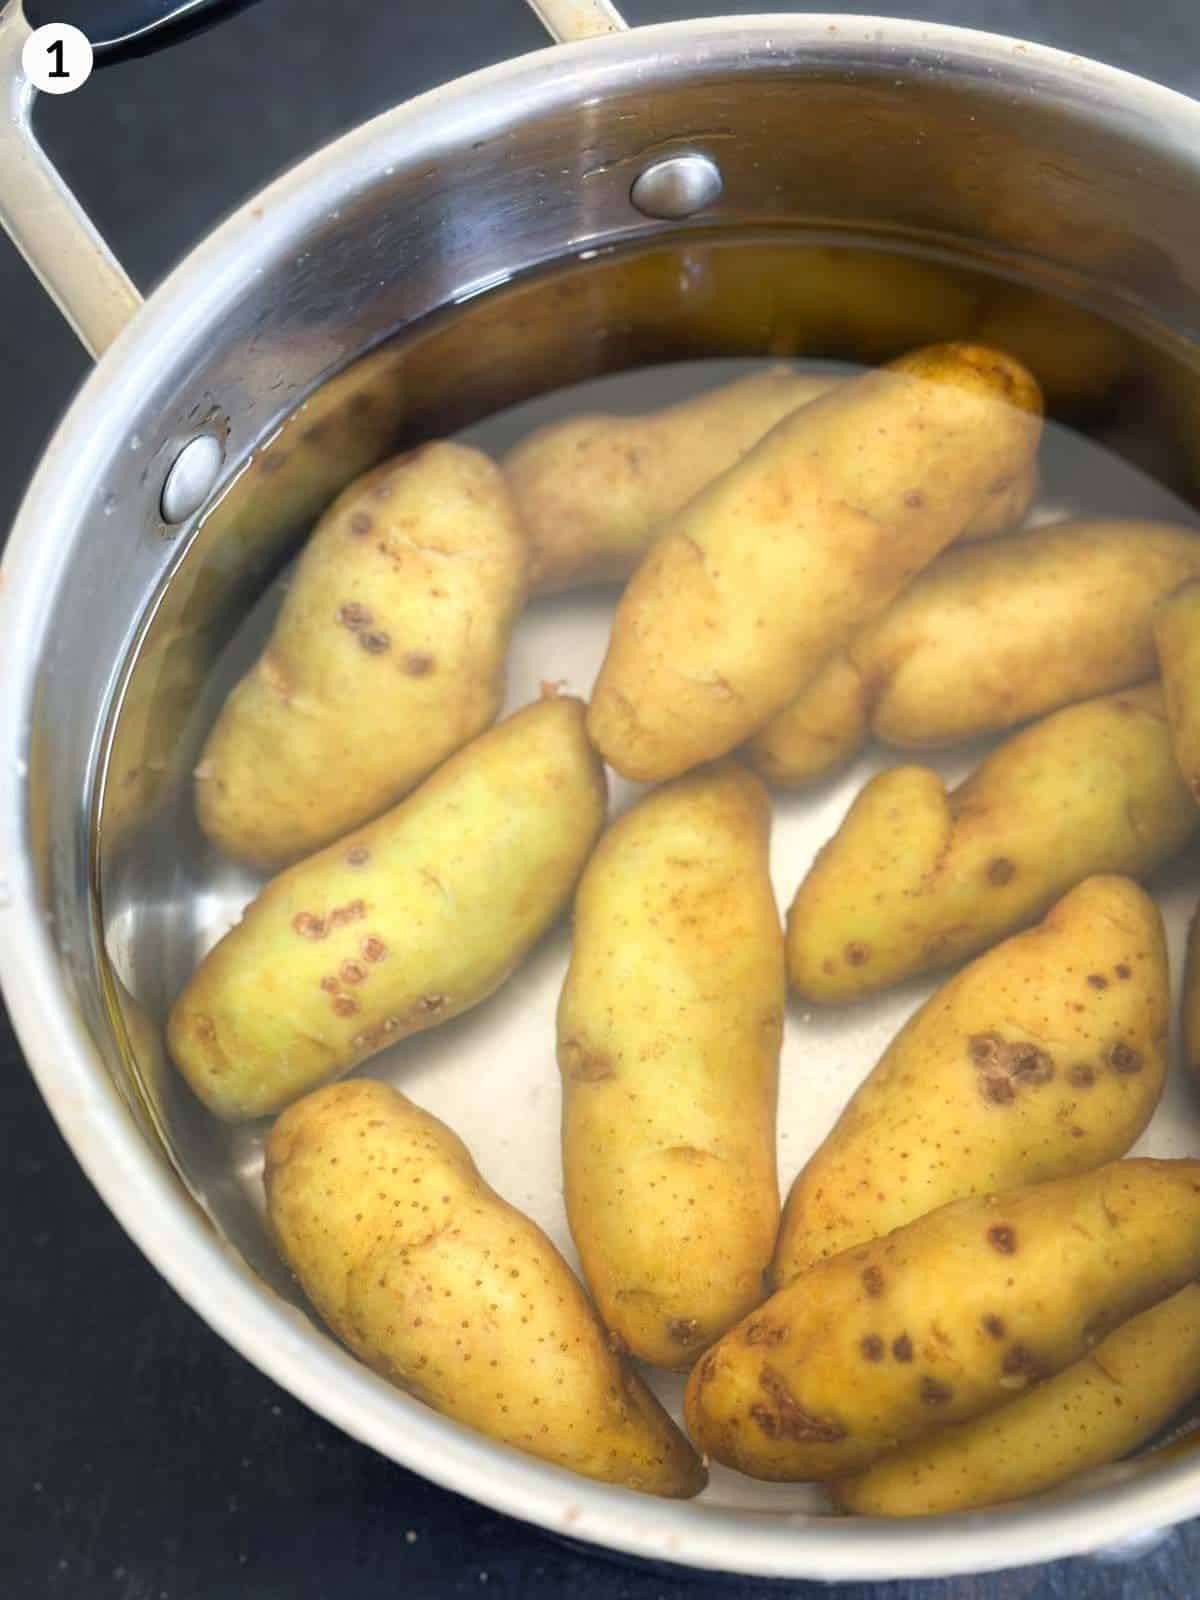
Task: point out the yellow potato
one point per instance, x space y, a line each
401 925
1044 1057
1092 1413
1009 501
916 879
942 1320
781 560
446 1290
592 490
985 639
1190 1006
1076 356
669 1031
1177 632
388 654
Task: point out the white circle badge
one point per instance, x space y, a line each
57 58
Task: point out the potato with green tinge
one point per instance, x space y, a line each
1044 1057
1090 1414
449 1292
783 558
388 655
669 1030
1177 634
916 879
403 924
987 638
592 491
942 1320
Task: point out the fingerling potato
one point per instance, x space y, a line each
777 563
943 1320
1190 1007
1045 1056
399 926
916 879
1092 1413
1177 633
669 1030
988 638
387 656
592 490
449 1292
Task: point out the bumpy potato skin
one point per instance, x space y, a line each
917 879
387 656
1177 633
942 1320
1044 1057
986 639
778 563
592 490
1093 1413
669 1031
443 1288
411 920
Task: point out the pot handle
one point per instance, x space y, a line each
39 213
568 20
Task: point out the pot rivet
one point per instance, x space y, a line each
191 477
677 187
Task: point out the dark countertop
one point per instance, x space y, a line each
141 1458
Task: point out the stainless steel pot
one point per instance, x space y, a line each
621 198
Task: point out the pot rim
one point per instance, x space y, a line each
144 1196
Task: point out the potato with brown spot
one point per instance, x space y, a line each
985 639
782 559
978 1092
592 491
913 873
416 918
1090 1414
1059 1264
388 655
669 1031
447 1291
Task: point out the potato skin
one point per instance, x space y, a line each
387 656
1009 501
592 490
1044 1057
404 924
1190 1000
985 639
669 1030
942 1320
1092 1413
1177 635
916 879
452 1294
783 558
